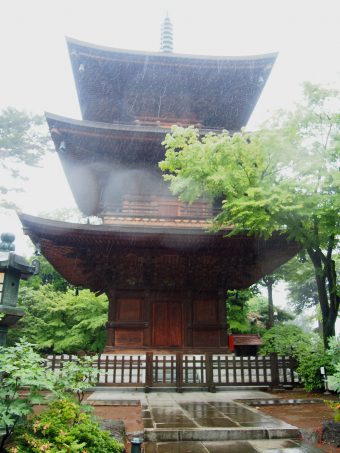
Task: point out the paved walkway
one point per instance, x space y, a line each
203 422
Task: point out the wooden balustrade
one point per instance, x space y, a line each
152 370
136 206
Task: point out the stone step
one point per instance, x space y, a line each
219 434
253 446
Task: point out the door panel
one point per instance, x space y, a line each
167 324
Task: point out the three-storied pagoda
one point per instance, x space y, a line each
166 277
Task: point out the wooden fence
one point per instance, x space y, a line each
185 370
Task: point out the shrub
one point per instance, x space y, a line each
311 357
335 405
21 367
76 377
334 355
64 427
23 377
306 348
284 339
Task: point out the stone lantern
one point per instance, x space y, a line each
13 267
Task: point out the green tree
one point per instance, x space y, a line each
299 275
61 322
47 276
23 140
238 321
257 313
283 177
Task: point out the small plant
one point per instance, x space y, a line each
64 427
75 377
335 405
21 368
23 377
333 353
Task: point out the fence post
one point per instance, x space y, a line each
148 372
274 370
179 372
209 372
99 358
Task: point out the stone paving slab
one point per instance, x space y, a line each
200 417
256 446
211 420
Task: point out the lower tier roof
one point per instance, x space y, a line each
106 257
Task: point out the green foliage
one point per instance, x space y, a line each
336 409
334 355
62 322
23 369
23 140
301 285
311 358
257 313
282 178
237 310
65 427
47 275
306 348
284 339
20 367
247 311
76 377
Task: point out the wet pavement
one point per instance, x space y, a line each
212 414
255 446
202 422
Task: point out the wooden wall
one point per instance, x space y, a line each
163 319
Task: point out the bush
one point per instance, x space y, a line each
64 427
334 355
76 377
306 348
311 357
21 367
285 340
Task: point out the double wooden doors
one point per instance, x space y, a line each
167 325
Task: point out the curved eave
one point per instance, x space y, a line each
77 250
94 50
119 85
38 227
83 134
85 125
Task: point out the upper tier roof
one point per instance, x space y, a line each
124 86
94 154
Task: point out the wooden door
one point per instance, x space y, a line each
167 324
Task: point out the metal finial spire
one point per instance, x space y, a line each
166 35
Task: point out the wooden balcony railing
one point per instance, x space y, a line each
156 207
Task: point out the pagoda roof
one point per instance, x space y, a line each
124 85
85 139
84 254
89 150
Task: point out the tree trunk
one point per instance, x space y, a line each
269 282
325 276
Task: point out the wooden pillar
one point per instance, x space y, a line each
222 318
189 315
147 317
111 318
